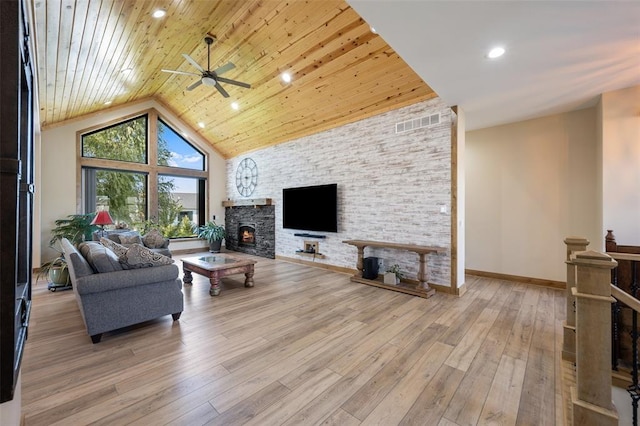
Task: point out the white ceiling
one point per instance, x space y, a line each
560 54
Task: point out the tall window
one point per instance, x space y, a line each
145 174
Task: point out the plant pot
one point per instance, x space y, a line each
59 275
214 246
391 279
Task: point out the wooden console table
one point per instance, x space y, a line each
421 289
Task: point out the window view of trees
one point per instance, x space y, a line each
123 194
123 142
144 198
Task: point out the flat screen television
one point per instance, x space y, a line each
311 208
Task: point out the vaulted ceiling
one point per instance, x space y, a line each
97 54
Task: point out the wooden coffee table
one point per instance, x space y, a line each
216 266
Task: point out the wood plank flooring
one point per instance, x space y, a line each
305 346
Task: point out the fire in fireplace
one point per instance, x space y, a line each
247 234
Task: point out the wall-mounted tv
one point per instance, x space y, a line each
311 208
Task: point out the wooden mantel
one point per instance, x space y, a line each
248 202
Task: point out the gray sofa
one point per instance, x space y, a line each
153 240
117 297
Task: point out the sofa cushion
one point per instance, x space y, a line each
154 239
138 256
99 257
78 265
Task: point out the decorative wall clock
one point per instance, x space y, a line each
246 177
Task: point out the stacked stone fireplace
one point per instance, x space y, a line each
251 230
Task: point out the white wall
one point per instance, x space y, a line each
621 164
528 186
390 186
58 173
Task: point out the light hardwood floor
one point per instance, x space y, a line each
305 346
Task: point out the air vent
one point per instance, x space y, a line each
418 123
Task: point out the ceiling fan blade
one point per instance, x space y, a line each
181 72
194 85
237 83
192 62
222 91
226 67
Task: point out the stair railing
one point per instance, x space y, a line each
591 397
574 245
630 302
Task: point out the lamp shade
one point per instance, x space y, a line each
102 218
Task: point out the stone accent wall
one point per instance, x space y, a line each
264 219
391 187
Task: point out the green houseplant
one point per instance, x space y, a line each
213 233
393 275
76 228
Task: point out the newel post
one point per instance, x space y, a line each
574 244
591 398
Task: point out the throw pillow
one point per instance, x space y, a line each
138 256
113 246
154 239
128 239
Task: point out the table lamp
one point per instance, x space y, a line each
102 218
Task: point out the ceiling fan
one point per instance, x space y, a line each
210 77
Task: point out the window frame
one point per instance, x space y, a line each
151 167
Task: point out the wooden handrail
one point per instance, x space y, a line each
626 298
625 256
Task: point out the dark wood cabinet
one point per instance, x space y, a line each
16 189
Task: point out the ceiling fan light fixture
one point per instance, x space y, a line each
209 81
496 52
286 77
159 13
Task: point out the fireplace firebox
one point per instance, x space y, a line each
247 234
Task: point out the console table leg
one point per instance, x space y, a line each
423 276
360 264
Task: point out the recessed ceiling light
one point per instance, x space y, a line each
286 77
159 13
496 52
126 70
201 124
107 103
235 106
373 30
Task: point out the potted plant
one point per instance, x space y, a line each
56 271
213 233
392 275
76 228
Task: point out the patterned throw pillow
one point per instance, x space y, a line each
154 239
138 256
118 249
129 239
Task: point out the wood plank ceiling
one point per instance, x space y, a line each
90 52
